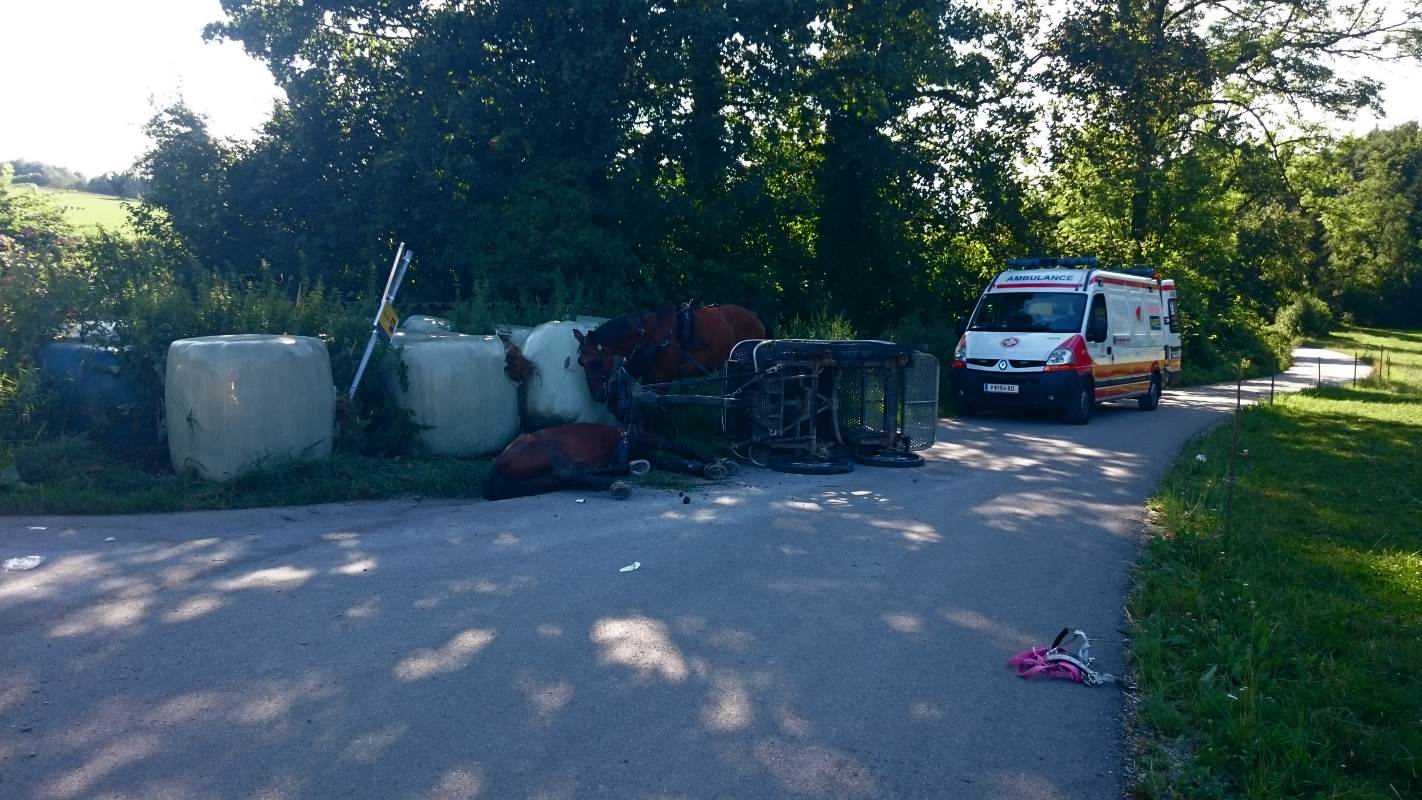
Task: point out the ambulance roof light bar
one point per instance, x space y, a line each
1143 271
1043 262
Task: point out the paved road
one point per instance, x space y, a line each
836 637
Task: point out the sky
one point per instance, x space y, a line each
83 76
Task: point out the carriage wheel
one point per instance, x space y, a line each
810 465
889 458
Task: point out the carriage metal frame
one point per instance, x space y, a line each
807 398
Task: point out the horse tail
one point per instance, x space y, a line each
517 366
765 323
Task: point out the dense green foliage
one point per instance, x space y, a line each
1369 194
1268 653
810 157
844 167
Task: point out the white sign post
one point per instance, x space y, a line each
383 326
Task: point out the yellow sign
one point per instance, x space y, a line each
388 320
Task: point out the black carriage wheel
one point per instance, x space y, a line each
810 465
889 458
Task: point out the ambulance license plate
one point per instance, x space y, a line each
1000 388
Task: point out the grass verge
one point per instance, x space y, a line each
75 476
1276 660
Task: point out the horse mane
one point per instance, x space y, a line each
619 328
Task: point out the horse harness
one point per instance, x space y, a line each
682 335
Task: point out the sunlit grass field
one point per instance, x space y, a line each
88 211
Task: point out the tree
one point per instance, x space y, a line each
1152 79
1369 190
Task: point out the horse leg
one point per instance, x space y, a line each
688 461
570 474
501 487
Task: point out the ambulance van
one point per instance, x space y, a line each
1059 333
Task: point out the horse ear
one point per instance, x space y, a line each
579 334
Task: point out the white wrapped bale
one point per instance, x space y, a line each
518 334
455 385
420 323
233 401
558 392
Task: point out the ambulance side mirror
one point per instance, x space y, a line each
1096 330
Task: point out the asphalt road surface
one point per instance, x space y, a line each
785 636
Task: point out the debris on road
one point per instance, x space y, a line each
37 528
111 538
23 563
581 500
635 565
1200 457
1061 661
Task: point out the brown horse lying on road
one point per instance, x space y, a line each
661 346
584 454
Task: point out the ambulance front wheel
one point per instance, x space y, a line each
1151 399
1079 412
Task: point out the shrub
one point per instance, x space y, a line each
820 325
1306 316
1238 335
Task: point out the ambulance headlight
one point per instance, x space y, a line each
1061 358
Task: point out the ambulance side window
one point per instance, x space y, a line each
1098 312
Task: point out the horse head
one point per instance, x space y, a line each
597 362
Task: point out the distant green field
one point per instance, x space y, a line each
90 211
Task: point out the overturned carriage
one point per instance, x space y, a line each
805 403
811 406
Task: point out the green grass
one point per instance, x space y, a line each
88 211
1279 659
75 476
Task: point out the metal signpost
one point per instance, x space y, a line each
383 326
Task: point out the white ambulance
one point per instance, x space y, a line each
1060 333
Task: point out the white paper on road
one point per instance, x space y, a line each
632 566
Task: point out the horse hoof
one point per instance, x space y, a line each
620 490
714 471
639 467
732 468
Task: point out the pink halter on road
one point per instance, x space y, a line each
1061 661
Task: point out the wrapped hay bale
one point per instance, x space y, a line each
420 323
558 391
455 385
236 401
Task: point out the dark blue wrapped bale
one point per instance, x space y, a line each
92 390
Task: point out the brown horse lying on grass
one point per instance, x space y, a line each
584 454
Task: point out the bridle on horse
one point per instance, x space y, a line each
639 361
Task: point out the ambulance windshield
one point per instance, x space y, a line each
1030 312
